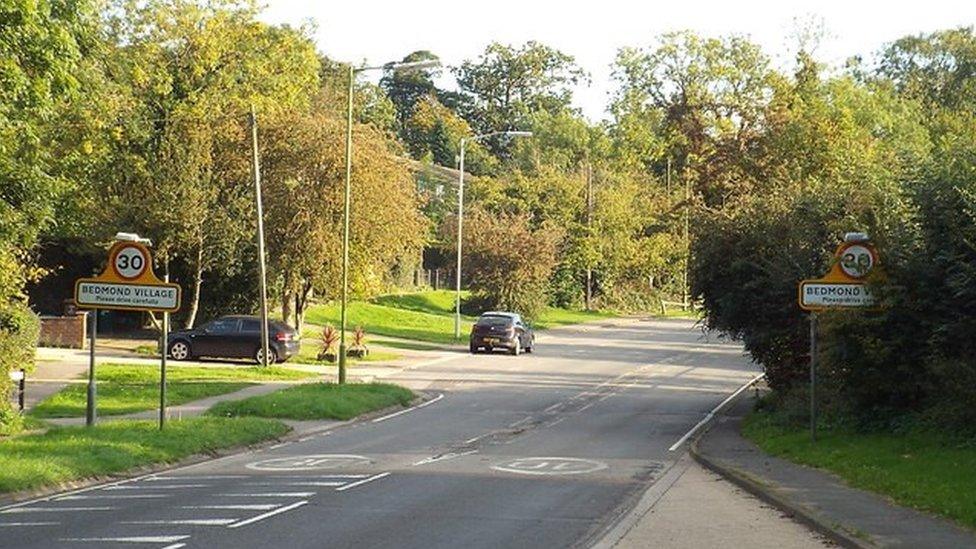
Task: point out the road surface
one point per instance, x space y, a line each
549 449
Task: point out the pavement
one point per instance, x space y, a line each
570 446
851 517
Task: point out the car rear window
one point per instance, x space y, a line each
494 321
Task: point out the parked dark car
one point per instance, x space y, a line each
503 331
234 337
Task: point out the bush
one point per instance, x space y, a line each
19 330
508 263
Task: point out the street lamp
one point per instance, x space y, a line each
413 65
460 218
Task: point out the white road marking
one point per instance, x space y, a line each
711 414
444 457
297 483
310 477
194 477
155 487
361 482
231 507
408 410
29 523
550 466
470 440
554 407
113 496
263 516
279 445
54 509
271 495
309 462
186 522
175 546
133 539
306 439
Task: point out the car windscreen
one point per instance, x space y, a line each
494 321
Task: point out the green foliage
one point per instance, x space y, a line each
508 262
919 468
318 401
67 454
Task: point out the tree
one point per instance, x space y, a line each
407 88
41 44
506 85
433 134
178 169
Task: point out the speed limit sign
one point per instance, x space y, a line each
129 262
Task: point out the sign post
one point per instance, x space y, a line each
128 283
844 287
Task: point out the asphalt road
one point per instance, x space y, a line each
542 450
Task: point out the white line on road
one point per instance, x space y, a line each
113 496
470 440
263 516
711 414
133 539
231 507
29 523
361 482
271 495
279 445
155 486
186 522
297 483
54 509
175 546
408 410
194 477
444 457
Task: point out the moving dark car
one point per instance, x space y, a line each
234 337
501 330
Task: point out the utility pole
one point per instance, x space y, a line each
684 283
460 225
347 192
261 265
90 408
589 229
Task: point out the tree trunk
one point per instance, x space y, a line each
286 302
302 298
191 316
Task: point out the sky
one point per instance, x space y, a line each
379 31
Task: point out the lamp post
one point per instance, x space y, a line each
347 194
460 218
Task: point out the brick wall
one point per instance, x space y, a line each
63 331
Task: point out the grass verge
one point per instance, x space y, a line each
317 401
123 389
924 470
71 453
426 316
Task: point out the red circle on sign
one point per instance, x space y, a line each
129 262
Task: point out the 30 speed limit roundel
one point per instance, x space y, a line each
130 262
857 260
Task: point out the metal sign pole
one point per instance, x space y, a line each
163 352
813 376
90 407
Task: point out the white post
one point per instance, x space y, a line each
261 266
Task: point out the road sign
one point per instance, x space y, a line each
845 286
128 283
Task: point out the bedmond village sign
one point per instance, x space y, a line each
128 283
845 286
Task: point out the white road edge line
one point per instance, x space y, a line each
185 522
175 546
271 495
361 482
417 407
134 539
263 516
711 414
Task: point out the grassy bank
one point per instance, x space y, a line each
71 453
123 389
425 316
924 470
317 401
